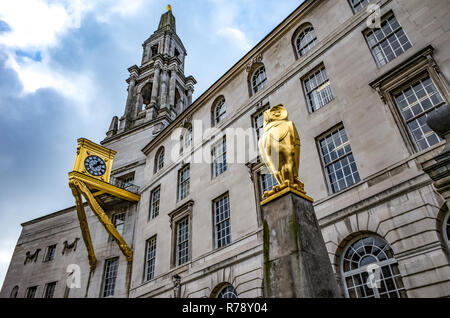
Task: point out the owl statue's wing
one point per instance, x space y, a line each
264 150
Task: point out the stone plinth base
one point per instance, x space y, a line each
296 262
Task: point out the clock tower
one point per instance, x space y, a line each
158 90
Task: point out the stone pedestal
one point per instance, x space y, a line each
296 262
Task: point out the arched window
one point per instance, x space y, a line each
259 79
446 229
219 110
159 159
227 292
372 256
14 292
305 40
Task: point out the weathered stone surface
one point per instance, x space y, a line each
296 262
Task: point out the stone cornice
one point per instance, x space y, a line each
134 129
421 55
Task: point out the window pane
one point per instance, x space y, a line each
318 90
183 183
267 182
222 221
338 160
110 275
415 103
50 290
357 5
362 253
182 242
388 42
119 221
150 259
228 292
219 158
259 79
306 41
154 203
220 112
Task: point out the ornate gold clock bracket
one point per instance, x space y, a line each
90 179
80 185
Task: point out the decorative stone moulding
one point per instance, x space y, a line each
257 59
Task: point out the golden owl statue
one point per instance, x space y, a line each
279 147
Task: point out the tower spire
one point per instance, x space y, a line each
167 20
158 90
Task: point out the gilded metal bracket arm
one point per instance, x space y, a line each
83 224
104 220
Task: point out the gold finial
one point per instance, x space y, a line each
169 7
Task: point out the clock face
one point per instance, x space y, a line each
95 166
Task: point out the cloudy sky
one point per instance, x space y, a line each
63 65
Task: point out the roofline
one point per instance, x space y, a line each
49 216
300 9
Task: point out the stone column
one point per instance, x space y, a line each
172 87
163 91
155 88
296 261
181 105
167 45
189 97
130 94
128 116
139 103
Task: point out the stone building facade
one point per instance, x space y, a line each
359 94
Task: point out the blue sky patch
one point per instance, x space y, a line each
4 27
35 56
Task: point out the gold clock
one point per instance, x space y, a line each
94 160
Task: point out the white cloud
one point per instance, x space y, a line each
237 37
6 252
35 75
34 23
122 8
38 25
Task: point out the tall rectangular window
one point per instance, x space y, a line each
50 290
387 42
267 182
318 89
31 292
50 254
219 158
150 259
183 182
154 202
222 225
182 251
110 276
119 222
258 124
357 5
338 160
415 103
